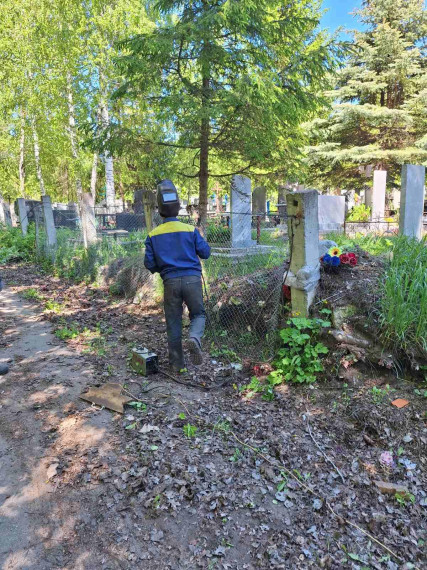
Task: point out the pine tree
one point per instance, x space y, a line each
380 112
229 82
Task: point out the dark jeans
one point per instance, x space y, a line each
181 290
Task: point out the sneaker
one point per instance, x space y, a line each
195 351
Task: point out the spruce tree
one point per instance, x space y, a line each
380 113
230 82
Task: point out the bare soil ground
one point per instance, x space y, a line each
248 487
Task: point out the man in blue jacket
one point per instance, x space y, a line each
173 249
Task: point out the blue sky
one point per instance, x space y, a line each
339 14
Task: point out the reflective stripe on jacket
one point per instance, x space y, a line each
173 249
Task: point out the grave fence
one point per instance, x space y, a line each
242 281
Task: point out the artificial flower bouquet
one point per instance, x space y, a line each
335 257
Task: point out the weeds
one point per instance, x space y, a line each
300 358
379 394
190 431
403 303
54 306
404 499
32 295
16 247
67 332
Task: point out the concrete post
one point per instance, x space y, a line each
375 197
88 219
412 200
23 215
49 225
303 229
148 200
7 216
2 214
138 207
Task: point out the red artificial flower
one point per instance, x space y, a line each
352 255
257 370
286 292
353 261
344 258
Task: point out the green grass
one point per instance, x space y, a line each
32 295
16 247
375 245
403 303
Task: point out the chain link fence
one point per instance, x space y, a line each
242 284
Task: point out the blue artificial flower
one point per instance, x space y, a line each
327 259
335 261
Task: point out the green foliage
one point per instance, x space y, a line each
403 302
379 394
299 360
379 116
359 213
220 78
53 306
139 406
224 352
190 430
218 234
404 499
32 295
375 245
68 332
16 247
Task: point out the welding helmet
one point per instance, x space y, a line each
167 199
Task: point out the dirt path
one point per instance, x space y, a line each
83 489
37 422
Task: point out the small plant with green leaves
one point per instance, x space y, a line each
139 406
190 431
282 485
182 416
404 499
237 456
224 352
222 426
255 386
32 294
53 306
379 394
67 332
299 360
359 213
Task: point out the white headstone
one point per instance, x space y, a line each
241 212
331 213
375 199
412 200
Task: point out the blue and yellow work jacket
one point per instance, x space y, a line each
173 249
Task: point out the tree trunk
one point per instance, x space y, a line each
73 138
204 154
94 176
110 193
39 171
22 157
